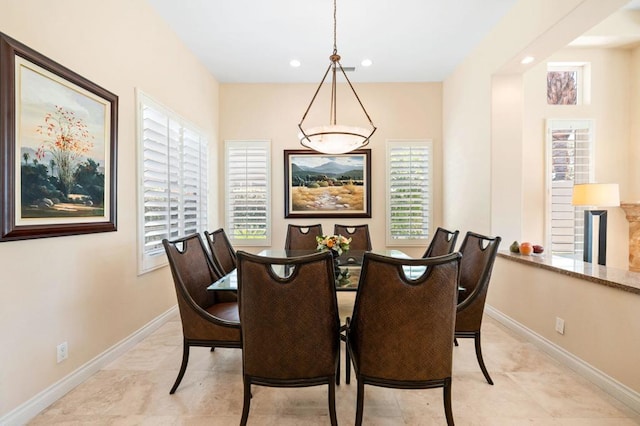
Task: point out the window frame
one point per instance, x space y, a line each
550 126
150 261
392 241
229 227
583 79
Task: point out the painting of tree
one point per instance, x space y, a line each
58 139
63 149
67 140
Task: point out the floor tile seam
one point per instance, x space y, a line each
534 396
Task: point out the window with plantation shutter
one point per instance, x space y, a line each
172 157
408 192
248 192
569 149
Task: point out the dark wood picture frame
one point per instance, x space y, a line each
327 185
57 176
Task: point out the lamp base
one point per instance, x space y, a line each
602 236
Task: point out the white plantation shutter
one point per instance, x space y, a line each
248 192
194 182
408 192
173 170
570 144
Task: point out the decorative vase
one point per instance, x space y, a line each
336 264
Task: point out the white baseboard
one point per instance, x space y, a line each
607 383
27 411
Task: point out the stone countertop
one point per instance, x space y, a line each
611 277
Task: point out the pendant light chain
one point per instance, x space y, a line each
335 44
333 115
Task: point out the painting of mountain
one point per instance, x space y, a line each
327 185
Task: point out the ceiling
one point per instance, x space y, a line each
253 41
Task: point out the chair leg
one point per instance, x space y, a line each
347 354
448 412
183 367
338 366
332 403
213 348
359 402
476 338
347 367
455 341
247 401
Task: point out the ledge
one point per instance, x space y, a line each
611 277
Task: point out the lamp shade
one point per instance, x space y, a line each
335 139
596 194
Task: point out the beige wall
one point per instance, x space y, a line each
598 320
633 193
272 111
85 289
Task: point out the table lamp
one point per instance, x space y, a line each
597 195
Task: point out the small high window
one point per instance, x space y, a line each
567 83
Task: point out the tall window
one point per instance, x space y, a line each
248 192
172 156
409 193
570 161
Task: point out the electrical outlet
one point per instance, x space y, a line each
560 325
62 351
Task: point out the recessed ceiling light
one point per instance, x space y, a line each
366 62
294 63
527 60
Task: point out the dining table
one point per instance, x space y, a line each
347 268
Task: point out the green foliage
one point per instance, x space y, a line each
249 234
36 184
89 181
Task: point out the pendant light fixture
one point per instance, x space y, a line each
335 138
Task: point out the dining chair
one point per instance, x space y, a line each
208 318
443 242
359 234
390 310
478 256
290 325
302 237
222 252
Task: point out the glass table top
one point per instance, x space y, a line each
347 266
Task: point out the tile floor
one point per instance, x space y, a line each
530 389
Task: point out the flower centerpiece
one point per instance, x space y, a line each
336 243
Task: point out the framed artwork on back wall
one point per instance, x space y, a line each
327 185
58 137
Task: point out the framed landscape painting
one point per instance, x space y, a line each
327 185
57 148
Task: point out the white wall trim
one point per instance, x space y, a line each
31 408
607 383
